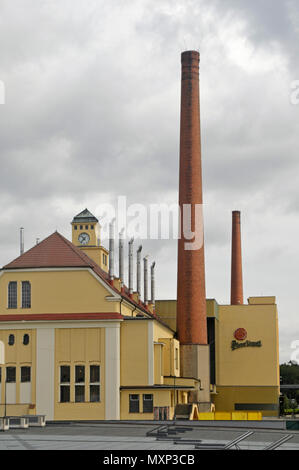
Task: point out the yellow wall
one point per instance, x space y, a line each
58 292
134 352
250 365
161 331
227 397
97 255
84 346
94 234
161 398
158 363
166 310
17 356
169 357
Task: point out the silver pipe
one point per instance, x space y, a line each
153 283
121 257
145 275
111 250
21 240
139 271
131 266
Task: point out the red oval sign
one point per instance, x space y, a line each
240 334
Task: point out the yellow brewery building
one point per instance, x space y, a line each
80 346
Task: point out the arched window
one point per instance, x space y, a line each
13 295
11 340
26 339
26 294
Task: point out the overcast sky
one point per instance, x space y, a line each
92 112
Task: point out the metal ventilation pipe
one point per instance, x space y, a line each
121 257
131 266
21 240
153 283
145 264
139 271
111 250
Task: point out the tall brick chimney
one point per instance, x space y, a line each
236 268
191 293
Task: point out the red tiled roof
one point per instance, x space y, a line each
56 251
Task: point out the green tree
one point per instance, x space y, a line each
289 373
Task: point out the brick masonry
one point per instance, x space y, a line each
236 267
191 293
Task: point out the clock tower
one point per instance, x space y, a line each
86 236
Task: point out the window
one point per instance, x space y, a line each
65 394
65 379
11 340
65 374
81 227
26 294
80 374
86 227
25 374
105 260
10 374
75 227
91 227
12 294
133 403
148 403
26 340
79 393
79 384
94 384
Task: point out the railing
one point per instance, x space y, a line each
22 422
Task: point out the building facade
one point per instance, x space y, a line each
78 345
244 353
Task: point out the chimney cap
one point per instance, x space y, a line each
190 56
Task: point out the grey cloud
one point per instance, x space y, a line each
92 112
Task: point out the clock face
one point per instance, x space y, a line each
83 238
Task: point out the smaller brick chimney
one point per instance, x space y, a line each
236 268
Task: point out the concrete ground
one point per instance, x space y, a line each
131 436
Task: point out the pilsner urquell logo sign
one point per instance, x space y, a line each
240 335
